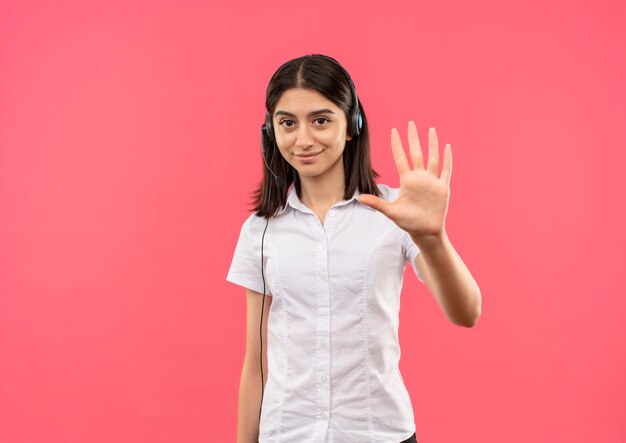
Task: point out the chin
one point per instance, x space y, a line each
308 173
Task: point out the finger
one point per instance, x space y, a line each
416 149
398 152
446 171
433 153
374 202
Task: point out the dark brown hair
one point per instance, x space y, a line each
323 76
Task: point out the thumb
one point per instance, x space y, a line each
374 202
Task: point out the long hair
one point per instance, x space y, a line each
319 74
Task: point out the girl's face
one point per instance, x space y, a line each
305 123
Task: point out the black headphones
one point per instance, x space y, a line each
355 122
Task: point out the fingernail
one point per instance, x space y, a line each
412 123
432 129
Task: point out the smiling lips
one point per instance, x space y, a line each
308 158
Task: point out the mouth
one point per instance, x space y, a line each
308 155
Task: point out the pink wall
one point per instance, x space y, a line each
129 148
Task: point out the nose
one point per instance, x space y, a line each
303 137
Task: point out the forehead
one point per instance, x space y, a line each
301 101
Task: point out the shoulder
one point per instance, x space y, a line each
253 225
387 192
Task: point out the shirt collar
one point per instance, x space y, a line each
294 201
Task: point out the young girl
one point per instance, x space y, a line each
328 246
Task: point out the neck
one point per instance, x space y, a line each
323 191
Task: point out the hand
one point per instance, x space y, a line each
422 203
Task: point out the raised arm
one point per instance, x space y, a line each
420 209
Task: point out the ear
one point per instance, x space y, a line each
348 136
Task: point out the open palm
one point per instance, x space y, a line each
422 203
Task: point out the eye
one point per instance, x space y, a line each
322 118
288 126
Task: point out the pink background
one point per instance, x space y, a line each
129 149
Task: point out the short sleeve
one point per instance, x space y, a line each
411 250
245 268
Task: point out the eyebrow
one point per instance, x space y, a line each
319 111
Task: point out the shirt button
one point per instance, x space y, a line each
320 244
323 311
323 276
324 378
324 415
322 343
331 212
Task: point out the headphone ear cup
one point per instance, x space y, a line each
263 131
356 123
269 127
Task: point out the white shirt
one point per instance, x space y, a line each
333 349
